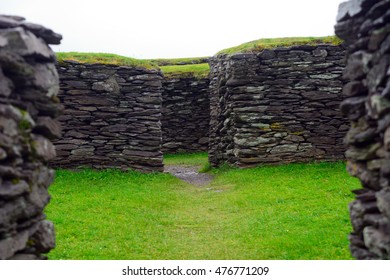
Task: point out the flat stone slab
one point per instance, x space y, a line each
189 174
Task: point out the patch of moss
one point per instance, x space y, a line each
297 133
261 44
276 126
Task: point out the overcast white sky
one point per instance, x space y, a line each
173 28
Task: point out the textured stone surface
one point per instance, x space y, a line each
364 25
185 115
111 117
278 106
28 107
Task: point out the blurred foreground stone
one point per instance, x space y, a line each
28 108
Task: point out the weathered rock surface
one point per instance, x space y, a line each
365 26
111 117
185 115
28 108
277 106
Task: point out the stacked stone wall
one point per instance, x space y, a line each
365 27
112 117
28 108
277 106
185 115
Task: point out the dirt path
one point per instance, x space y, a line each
189 174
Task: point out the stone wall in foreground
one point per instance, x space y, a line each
185 114
365 27
28 107
112 117
277 106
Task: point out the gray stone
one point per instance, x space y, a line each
365 153
24 43
253 142
44 238
383 199
320 52
46 77
46 34
378 106
285 148
357 65
43 148
354 88
12 244
10 190
353 107
6 85
3 154
48 127
110 85
377 242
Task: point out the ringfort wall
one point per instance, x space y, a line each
112 117
28 107
279 105
365 27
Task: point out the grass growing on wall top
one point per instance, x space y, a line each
104 58
296 211
178 61
189 70
261 44
171 68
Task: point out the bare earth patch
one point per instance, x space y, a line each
189 174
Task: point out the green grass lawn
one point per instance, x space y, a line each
296 211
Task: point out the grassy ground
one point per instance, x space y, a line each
199 159
296 211
261 44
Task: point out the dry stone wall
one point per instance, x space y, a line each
365 27
277 106
185 115
28 107
111 118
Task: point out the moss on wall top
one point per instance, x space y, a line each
198 71
172 68
261 44
104 58
195 67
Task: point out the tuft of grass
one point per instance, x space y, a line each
198 159
178 61
103 58
198 71
296 211
205 168
270 43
